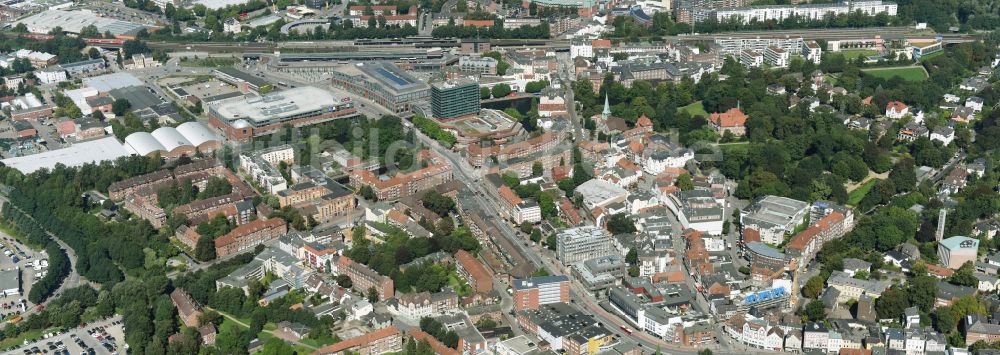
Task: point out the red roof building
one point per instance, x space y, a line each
733 120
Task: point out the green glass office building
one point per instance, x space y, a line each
455 98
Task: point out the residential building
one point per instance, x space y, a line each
896 110
248 236
363 278
812 51
477 65
382 341
187 309
751 59
805 11
776 57
472 270
437 172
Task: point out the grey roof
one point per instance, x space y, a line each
763 249
137 95
533 282
10 279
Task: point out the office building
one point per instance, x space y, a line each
384 83
536 291
455 99
581 243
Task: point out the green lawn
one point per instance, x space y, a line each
460 286
853 53
30 335
908 73
854 197
932 55
695 109
207 62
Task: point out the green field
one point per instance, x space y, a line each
932 55
207 62
854 197
460 286
908 73
695 109
853 53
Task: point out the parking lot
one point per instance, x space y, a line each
104 337
25 259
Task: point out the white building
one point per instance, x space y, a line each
582 243
776 57
975 103
812 51
55 74
751 59
943 134
811 12
232 25
773 217
581 49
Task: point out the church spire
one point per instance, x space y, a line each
606 114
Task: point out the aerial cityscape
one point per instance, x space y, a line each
622 177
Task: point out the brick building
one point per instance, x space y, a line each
249 235
364 278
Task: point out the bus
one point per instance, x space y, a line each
627 330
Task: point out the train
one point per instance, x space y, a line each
415 41
97 41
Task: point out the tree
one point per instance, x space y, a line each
537 169
526 227
500 90
892 303
344 281
813 287
815 310
205 249
684 182
368 193
621 224
484 93
93 53
120 106
372 295
550 242
964 275
536 235
438 203
632 256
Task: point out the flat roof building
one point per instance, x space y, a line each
384 83
249 117
773 216
454 99
581 243
533 292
